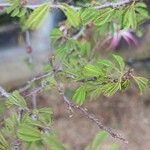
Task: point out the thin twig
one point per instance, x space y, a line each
34 100
90 116
29 83
70 105
79 34
3 93
35 91
99 7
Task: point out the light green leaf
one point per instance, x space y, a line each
80 95
49 82
120 61
142 83
142 12
88 15
106 63
16 99
10 9
114 147
99 139
104 17
132 18
92 71
142 5
22 12
125 85
47 68
4 145
37 17
85 47
111 88
28 133
52 141
45 115
10 123
15 12
56 34
96 92
73 17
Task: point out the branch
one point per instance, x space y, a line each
116 5
27 40
3 93
29 83
99 7
70 105
79 34
90 116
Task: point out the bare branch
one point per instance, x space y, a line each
99 7
3 93
88 115
70 105
29 83
79 34
115 5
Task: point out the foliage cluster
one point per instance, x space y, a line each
75 62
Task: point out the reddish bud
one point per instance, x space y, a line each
29 49
1 8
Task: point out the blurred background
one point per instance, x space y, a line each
126 112
15 48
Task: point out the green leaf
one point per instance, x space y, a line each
114 147
16 99
13 1
85 48
2 106
10 123
110 89
45 110
45 115
106 63
120 61
15 12
142 5
47 68
99 139
142 12
125 85
4 145
130 18
49 82
56 34
52 141
10 9
88 15
92 71
104 17
61 52
22 12
28 133
142 83
96 92
73 17
80 95
37 17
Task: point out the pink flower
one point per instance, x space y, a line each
1 9
126 35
